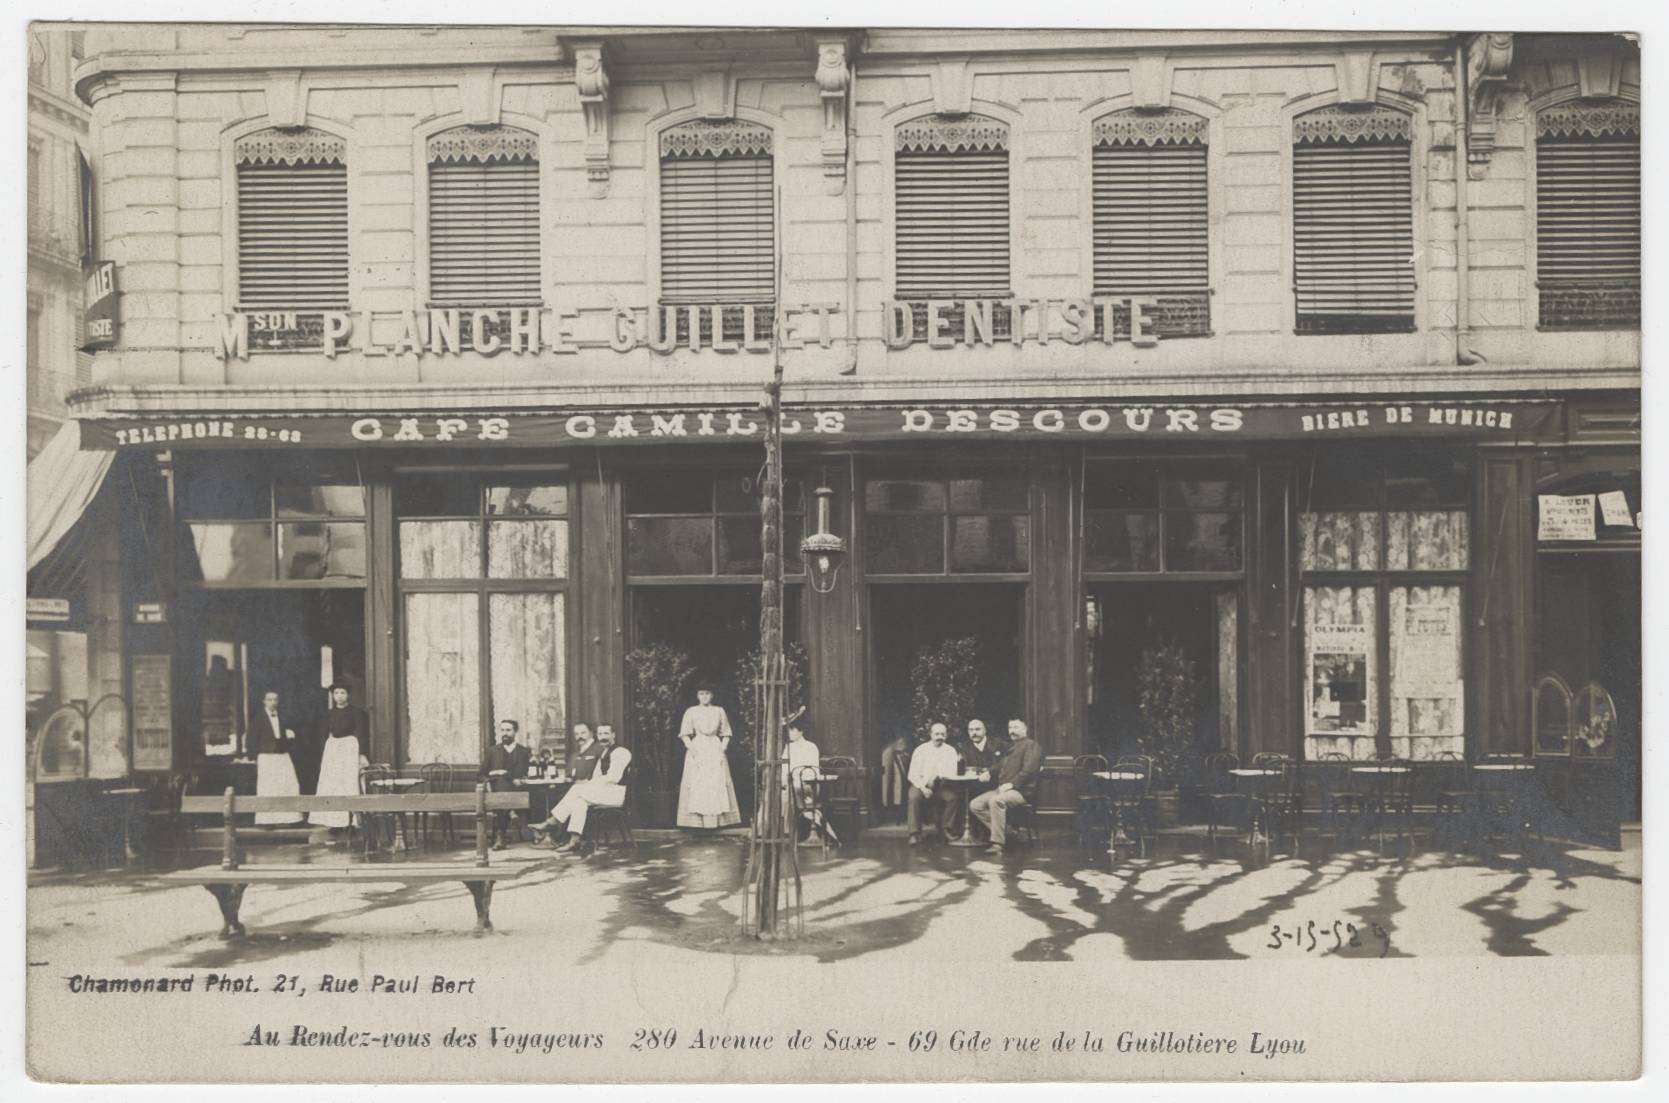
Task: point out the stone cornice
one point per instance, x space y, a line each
53 106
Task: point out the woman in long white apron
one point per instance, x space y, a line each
275 769
345 729
707 796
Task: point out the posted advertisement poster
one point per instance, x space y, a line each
1341 679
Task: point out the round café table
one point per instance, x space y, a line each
1119 837
547 791
395 786
966 782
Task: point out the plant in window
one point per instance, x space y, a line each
747 691
944 685
1167 701
658 687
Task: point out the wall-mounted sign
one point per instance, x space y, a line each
98 310
47 608
150 612
153 712
832 424
1565 517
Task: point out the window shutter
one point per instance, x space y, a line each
951 209
484 218
292 221
1151 231
718 234
1588 216
1353 221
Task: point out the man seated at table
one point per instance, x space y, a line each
586 753
980 752
1016 776
605 789
931 761
506 764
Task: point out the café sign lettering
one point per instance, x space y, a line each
521 331
849 423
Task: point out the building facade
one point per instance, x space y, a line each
1302 367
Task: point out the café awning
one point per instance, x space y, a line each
63 480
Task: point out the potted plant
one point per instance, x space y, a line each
658 679
944 686
1167 701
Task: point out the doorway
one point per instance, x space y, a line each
910 627
295 642
1185 631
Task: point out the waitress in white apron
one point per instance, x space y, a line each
346 732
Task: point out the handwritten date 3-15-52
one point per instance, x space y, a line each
1336 938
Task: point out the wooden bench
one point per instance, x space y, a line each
227 881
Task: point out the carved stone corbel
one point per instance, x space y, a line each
1488 57
834 78
591 81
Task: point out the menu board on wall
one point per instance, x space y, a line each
1341 674
153 712
1565 517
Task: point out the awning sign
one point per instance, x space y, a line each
1504 420
1566 517
98 311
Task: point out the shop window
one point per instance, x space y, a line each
1141 517
1371 561
963 525
483 567
484 218
1151 208
292 220
249 526
1353 220
1588 215
718 221
950 204
699 525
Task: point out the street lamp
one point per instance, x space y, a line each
823 551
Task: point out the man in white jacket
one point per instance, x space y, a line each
606 789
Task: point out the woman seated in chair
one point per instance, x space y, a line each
800 768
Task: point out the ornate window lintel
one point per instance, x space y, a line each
940 133
290 147
721 138
1589 120
1353 124
484 144
1135 127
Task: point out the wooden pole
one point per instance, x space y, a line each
229 842
481 823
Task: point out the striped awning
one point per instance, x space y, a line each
62 482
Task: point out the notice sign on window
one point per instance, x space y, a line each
1613 509
1341 673
1566 517
153 713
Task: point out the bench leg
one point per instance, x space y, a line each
230 899
483 893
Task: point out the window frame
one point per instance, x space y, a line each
715 516
1163 469
483 588
425 206
883 470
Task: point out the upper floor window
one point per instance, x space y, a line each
966 524
292 220
252 525
1588 216
699 523
1151 229
951 208
1173 517
718 224
484 217
1353 220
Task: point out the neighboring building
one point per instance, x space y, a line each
442 349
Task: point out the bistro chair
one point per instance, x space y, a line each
1132 801
806 806
1339 801
842 799
1278 800
1451 796
1092 814
1225 805
601 819
437 778
1390 799
378 830
1023 817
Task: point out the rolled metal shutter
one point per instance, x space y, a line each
1588 230
484 232
292 235
717 229
951 220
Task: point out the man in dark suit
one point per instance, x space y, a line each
272 744
980 754
506 761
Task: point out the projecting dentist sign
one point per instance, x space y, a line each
1504 420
